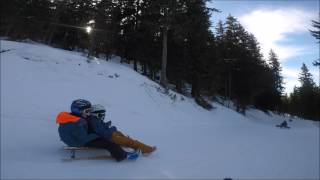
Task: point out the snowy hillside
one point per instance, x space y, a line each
38 81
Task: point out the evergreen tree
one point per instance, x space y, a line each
316 33
294 102
306 94
103 33
218 67
305 77
304 100
198 36
243 64
276 88
276 71
25 19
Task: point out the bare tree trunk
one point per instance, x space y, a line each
135 64
195 87
163 80
8 30
55 20
91 46
145 70
50 36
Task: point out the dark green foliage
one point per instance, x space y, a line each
304 101
25 19
307 94
316 32
199 62
270 98
240 66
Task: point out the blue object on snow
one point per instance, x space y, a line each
133 155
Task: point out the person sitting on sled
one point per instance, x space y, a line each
109 132
284 124
74 131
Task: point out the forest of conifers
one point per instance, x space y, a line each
202 58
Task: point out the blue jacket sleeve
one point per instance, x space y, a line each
102 128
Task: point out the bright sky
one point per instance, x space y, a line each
281 25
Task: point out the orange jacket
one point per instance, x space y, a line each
65 117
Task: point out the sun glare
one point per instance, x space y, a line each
88 29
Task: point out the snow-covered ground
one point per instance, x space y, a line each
38 81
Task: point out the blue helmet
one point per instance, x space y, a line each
79 105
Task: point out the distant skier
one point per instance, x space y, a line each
284 124
111 133
74 131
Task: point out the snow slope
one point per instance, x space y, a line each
38 81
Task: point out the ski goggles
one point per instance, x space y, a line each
100 115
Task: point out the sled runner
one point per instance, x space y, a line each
286 127
73 156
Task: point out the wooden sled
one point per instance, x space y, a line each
73 156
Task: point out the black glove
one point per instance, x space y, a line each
113 129
108 123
